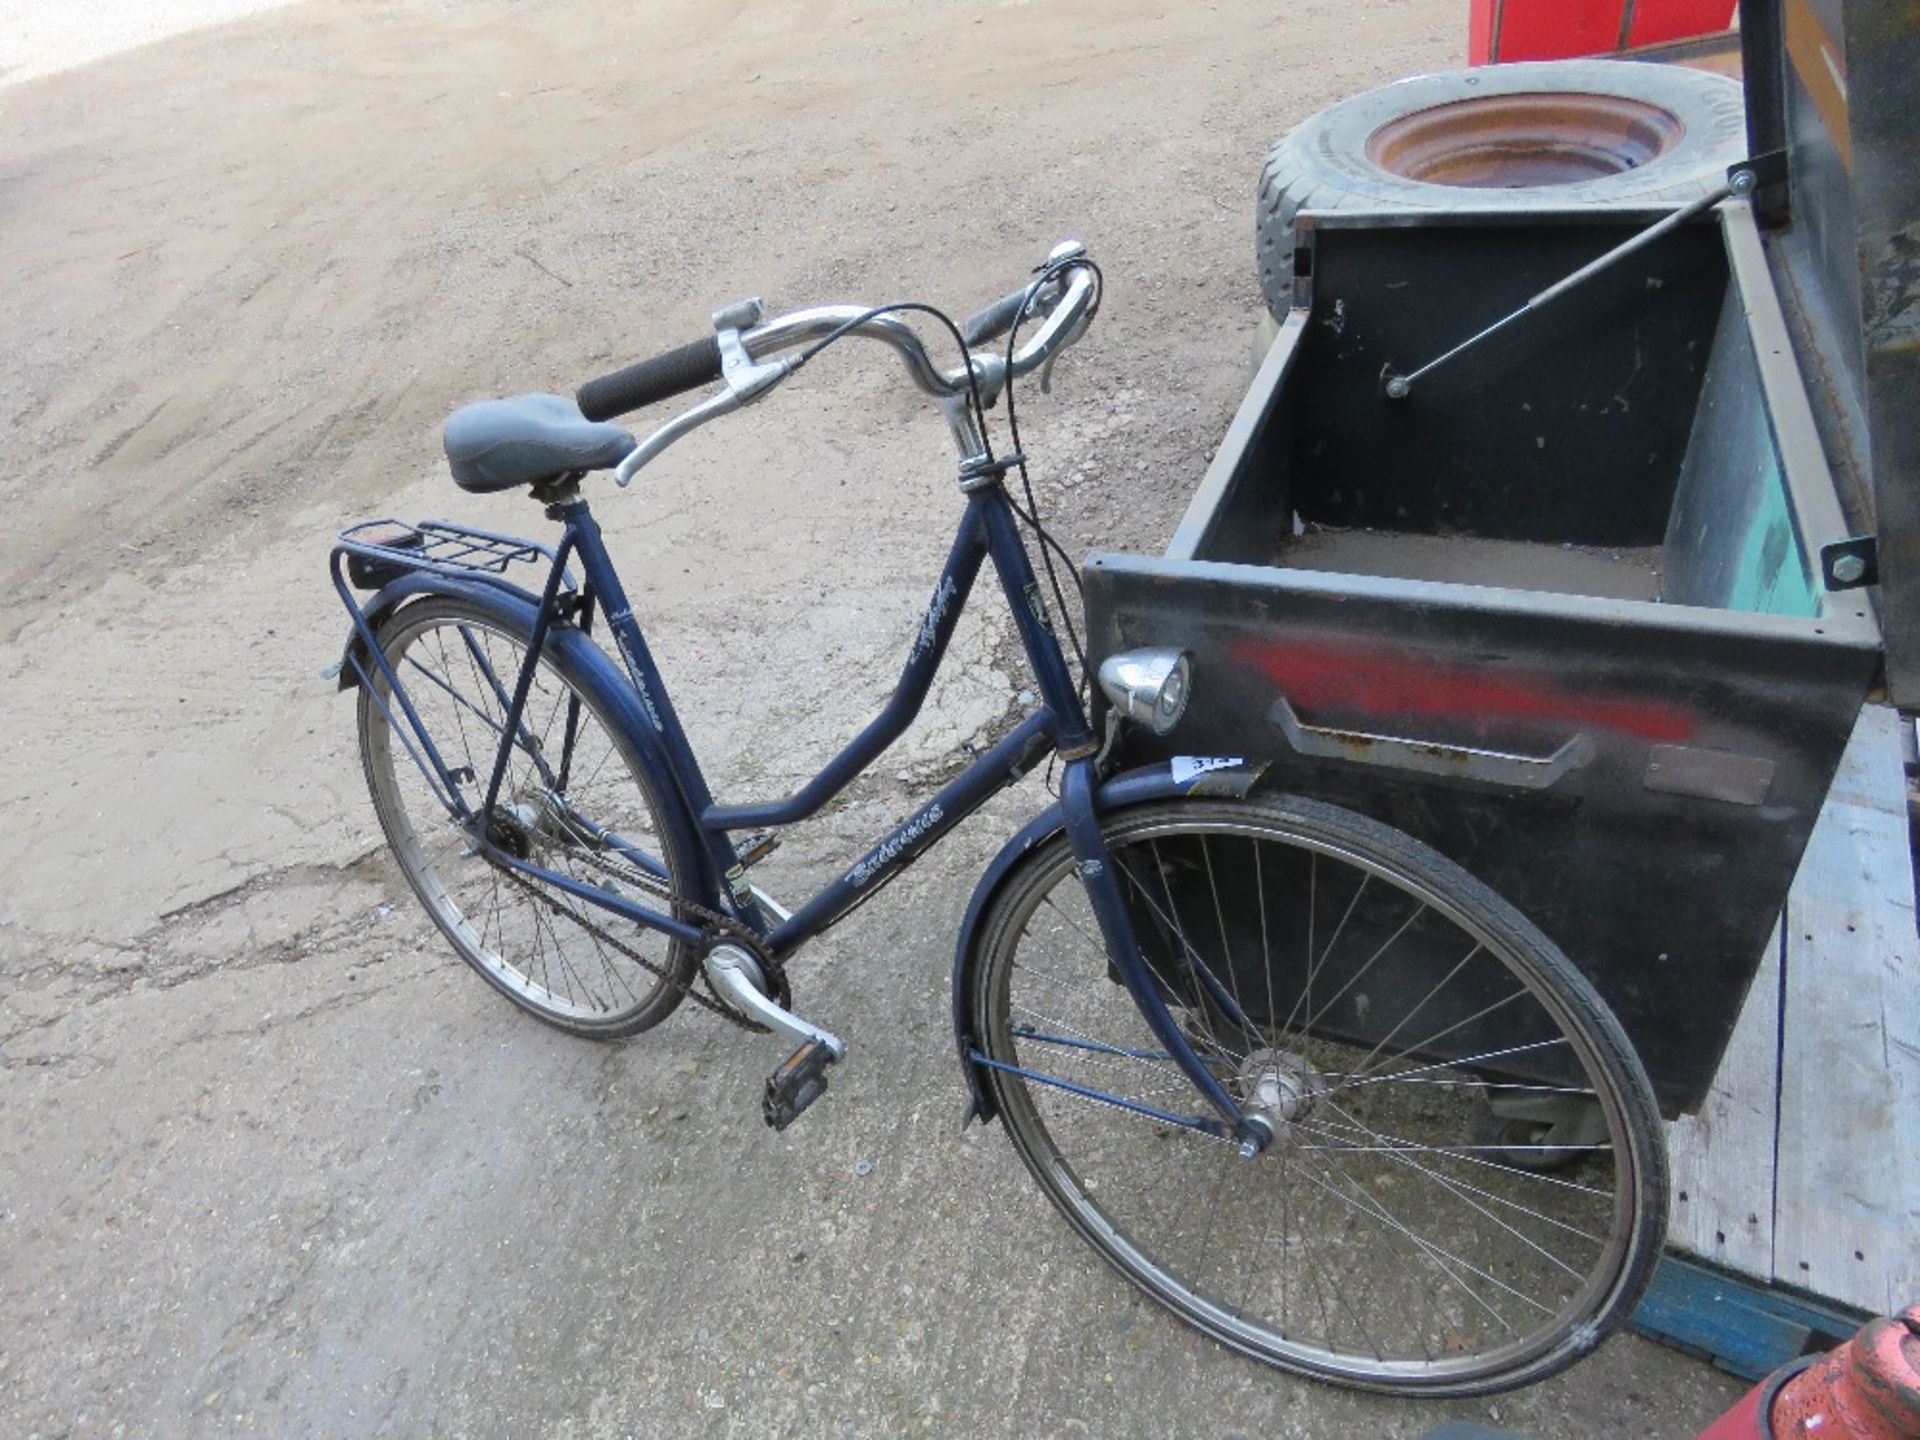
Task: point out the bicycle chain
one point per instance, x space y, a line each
733 931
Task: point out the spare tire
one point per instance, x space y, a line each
1545 134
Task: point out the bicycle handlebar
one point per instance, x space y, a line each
1062 303
648 382
1062 324
995 320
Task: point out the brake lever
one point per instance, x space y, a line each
746 380
1066 340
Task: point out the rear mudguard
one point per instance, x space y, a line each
1231 779
518 608
357 656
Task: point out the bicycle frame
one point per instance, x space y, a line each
987 529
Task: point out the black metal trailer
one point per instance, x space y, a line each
1592 608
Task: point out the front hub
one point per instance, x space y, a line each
1278 1088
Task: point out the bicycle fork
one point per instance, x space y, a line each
1108 899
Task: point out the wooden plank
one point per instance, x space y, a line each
1847 1213
1741 1327
1722 1157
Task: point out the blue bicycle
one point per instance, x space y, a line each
1297 1077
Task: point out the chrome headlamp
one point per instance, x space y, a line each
1148 686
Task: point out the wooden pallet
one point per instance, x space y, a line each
1801 1172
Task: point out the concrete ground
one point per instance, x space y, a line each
271 1160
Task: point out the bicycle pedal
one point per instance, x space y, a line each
756 848
800 1080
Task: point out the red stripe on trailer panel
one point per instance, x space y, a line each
1393 683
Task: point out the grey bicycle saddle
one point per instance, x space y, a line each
498 444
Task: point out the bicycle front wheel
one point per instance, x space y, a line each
1372 1002
575 799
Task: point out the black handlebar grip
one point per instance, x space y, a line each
648 382
996 319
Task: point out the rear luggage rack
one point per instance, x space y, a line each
380 551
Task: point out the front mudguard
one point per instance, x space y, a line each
1211 778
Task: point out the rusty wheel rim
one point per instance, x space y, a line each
1508 141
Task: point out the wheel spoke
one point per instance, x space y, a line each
1315 963
1404 1153
1419 1005
1239 1016
1401 1157
1441 1258
1202 978
1377 1077
1354 979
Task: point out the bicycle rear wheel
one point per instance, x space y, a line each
1368 999
572 781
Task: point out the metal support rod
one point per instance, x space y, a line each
1398 387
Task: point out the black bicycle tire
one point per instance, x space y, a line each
1623 1074
681 963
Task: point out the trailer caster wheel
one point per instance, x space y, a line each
1541 1133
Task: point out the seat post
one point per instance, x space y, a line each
557 493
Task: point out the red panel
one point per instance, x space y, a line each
1554 29
1480 15
1655 21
